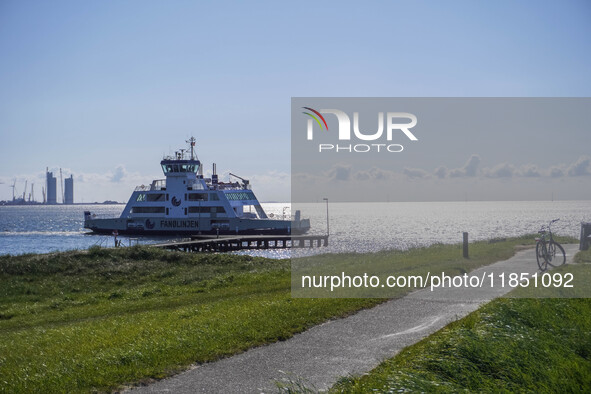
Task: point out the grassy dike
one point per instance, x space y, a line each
510 344
98 319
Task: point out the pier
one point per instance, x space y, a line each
246 242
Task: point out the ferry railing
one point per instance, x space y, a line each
195 185
229 186
156 185
159 184
102 216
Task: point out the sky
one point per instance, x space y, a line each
104 89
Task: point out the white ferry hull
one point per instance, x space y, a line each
191 226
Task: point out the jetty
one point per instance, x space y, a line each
242 242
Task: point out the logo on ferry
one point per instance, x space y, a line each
150 224
175 201
392 122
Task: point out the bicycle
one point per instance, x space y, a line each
548 251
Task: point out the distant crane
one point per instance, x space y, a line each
32 195
43 192
13 188
245 181
25 190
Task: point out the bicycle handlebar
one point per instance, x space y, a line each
543 228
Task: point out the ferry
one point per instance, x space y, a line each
186 203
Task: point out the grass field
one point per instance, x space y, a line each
96 320
92 321
510 344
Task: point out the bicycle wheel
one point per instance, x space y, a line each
540 255
556 254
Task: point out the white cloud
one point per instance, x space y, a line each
119 174
580 167
556 172
503 170
530 171
381 175
469 169
340 172
415 173
362 176
440 172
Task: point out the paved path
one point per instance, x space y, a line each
353 345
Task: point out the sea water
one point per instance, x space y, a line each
360 227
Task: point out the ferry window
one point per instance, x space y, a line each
169 168
167 210
147 210
141 197
197 196
155 197
207 210
234 196
214 197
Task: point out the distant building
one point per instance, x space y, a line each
69 193
51 188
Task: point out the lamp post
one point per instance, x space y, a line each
327 225
199 217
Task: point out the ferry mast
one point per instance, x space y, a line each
191 141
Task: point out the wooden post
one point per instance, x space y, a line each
585 233
465 246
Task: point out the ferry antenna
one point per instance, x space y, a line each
191 142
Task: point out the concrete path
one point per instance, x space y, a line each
349 346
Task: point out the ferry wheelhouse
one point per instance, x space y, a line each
186 203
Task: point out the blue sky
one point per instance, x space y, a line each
103 89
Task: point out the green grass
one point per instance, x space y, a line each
583 257
87 321
80 321
510 344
